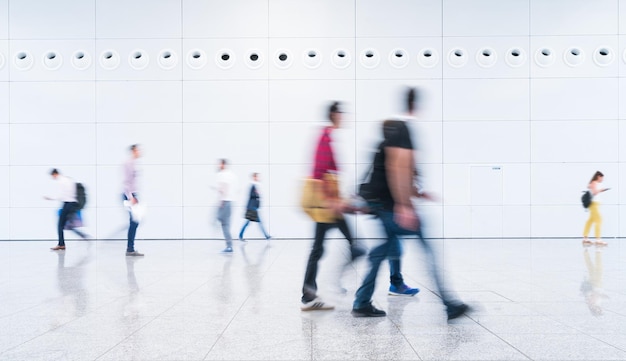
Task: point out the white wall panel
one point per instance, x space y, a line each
549 189
286 186
327 48
572 99
53 102
574 17
200 222
39 50
486 99
205 143
485 17
486 221
29 185
516 221
431 220
5 141
59 144
109 188
322 18
578 141
471 47
4 187
569 221
112 223
398 18
139 102
457 222
5 59
516 183
622 100
125 49
162 185
224 101
22 220
235 19
161 19
617 184
587 64
490 142
160 223
385 64
621 210
41 19
4 19
237 66
161 143
622 16
5 223
308 101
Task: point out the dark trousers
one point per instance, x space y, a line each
132 229
66 211
309 289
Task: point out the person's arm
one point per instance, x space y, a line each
399 169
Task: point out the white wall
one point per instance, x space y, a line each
508 147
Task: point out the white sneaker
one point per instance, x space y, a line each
316 305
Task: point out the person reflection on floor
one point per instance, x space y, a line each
591 287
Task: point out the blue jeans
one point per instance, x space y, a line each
245 225
392 249
132 228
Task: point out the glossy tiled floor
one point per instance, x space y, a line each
534 299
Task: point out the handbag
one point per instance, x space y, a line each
314 198
586 199
252 215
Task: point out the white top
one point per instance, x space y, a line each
67 189
226 185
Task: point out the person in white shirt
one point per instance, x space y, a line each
226 187
130 195
67 195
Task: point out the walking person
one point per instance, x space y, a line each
67 195
130 195
252 208
595 219
325 169
391 183
226 188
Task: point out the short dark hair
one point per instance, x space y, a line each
54 171
133 147
334 108
223 161
411 99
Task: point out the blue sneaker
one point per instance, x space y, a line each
227 250
403 291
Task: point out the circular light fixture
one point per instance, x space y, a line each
81 60
52 60
428 58
225 59
196 59
486 57
457 57
603 56
138 59
341 59
369 58
544 57
573 57
399 58
23 60
167 59
515 57
254 59
109 59
312 58
283 59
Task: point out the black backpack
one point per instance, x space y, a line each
81 196
586 199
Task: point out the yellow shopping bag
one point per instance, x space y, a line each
316 194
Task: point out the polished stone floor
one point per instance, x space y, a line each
539 299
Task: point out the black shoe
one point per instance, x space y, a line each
456 310
368 311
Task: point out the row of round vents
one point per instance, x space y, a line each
399 58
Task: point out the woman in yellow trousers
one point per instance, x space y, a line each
594 212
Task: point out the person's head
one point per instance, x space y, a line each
223 163
411 100
255 176
334 114
135 151
54 173
597 177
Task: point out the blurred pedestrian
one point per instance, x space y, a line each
595 187
226 188
69 209
252 208
130 197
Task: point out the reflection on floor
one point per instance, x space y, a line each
537 299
